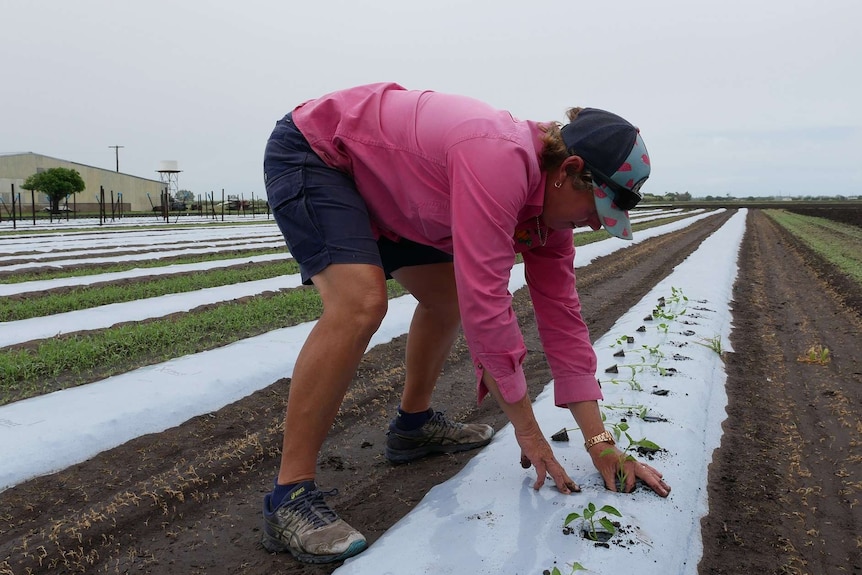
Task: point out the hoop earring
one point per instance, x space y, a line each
558 184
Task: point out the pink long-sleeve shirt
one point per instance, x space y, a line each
456 174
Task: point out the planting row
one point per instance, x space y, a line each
662 376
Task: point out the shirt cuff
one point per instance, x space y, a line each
576 388
513 387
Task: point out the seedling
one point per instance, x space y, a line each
622 429
639 410
816 354
669 308
677 296
622 475
556 570
639 367
595 521
653 351
632 382
623 340
713 343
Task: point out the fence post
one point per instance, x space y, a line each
14 221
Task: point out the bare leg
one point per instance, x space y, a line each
432 332
354 304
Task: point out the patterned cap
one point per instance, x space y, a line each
631 174
613 150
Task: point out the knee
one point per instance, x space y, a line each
371 309
444 311
362 312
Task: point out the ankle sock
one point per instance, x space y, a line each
280 492
411 421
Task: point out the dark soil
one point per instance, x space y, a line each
838 214
784 486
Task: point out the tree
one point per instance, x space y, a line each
184 196
56 183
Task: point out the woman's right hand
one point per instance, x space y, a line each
536 451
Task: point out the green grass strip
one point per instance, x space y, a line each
83 297
839 244
61 363
92 269
66 362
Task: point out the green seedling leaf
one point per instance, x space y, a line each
610 510
571 517
609 527
646 443
608 451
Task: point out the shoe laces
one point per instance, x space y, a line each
439 420
312 507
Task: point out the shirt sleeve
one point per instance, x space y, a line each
550 274
490 179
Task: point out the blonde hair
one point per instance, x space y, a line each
554 150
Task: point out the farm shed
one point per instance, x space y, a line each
16 168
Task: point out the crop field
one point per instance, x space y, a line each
144 372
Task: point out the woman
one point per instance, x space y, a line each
440 192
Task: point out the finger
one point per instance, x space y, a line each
660 488
653 479
649 468
631 478
610 479
572 486
562 481
541 472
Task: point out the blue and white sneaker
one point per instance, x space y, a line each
305 526
438 435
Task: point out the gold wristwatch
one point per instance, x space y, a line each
603 437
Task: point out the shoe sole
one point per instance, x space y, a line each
407 455
275 545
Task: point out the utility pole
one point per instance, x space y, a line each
117 153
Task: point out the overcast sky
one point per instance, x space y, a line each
740 97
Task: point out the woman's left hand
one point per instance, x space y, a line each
608 459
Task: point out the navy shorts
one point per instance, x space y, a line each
323 218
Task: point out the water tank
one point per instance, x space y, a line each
169 166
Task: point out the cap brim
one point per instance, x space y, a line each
613 219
